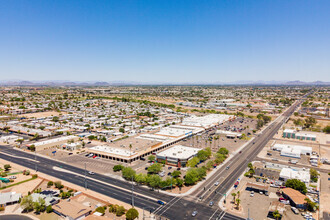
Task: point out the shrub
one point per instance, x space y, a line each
117 168
101 209
58 185
34 176
120 211
132 214
50 183
7 167
49 209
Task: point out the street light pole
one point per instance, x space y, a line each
35 160
132 192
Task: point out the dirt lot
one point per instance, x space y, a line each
42 114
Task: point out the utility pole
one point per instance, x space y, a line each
85 177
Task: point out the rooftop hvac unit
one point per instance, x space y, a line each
174 154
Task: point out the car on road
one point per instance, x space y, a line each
227 167
169 168
216 183
161 202
211 203
295 210
70 153
252 194
91 173
89 142
240 151
274 159
194 213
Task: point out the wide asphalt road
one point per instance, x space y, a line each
176 207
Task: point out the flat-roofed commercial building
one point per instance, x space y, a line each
177 155
290 133
55 142
292 150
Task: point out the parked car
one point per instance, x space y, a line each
90 173
142 158
216 183
251 194
211 203
194 213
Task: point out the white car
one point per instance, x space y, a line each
90 172
216 183
251 194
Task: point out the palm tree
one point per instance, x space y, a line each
238 194
233 195
238 201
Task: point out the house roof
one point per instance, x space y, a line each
9 197
296 196
71 208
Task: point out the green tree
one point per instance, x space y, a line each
128 173
297 185
223 151
179 182
154 181
155 168
193 162
276 215
176 173
132 214
314 174
39 206
122 130
141 178
311 206
327 129
310 122
151 157
27 203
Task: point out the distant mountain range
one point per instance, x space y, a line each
132 83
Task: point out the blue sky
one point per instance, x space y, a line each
165 40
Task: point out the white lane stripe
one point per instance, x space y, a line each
114 186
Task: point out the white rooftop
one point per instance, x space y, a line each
65 138
112 150
179 152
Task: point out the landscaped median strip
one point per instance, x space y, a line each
105 183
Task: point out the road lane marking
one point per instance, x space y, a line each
102 182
